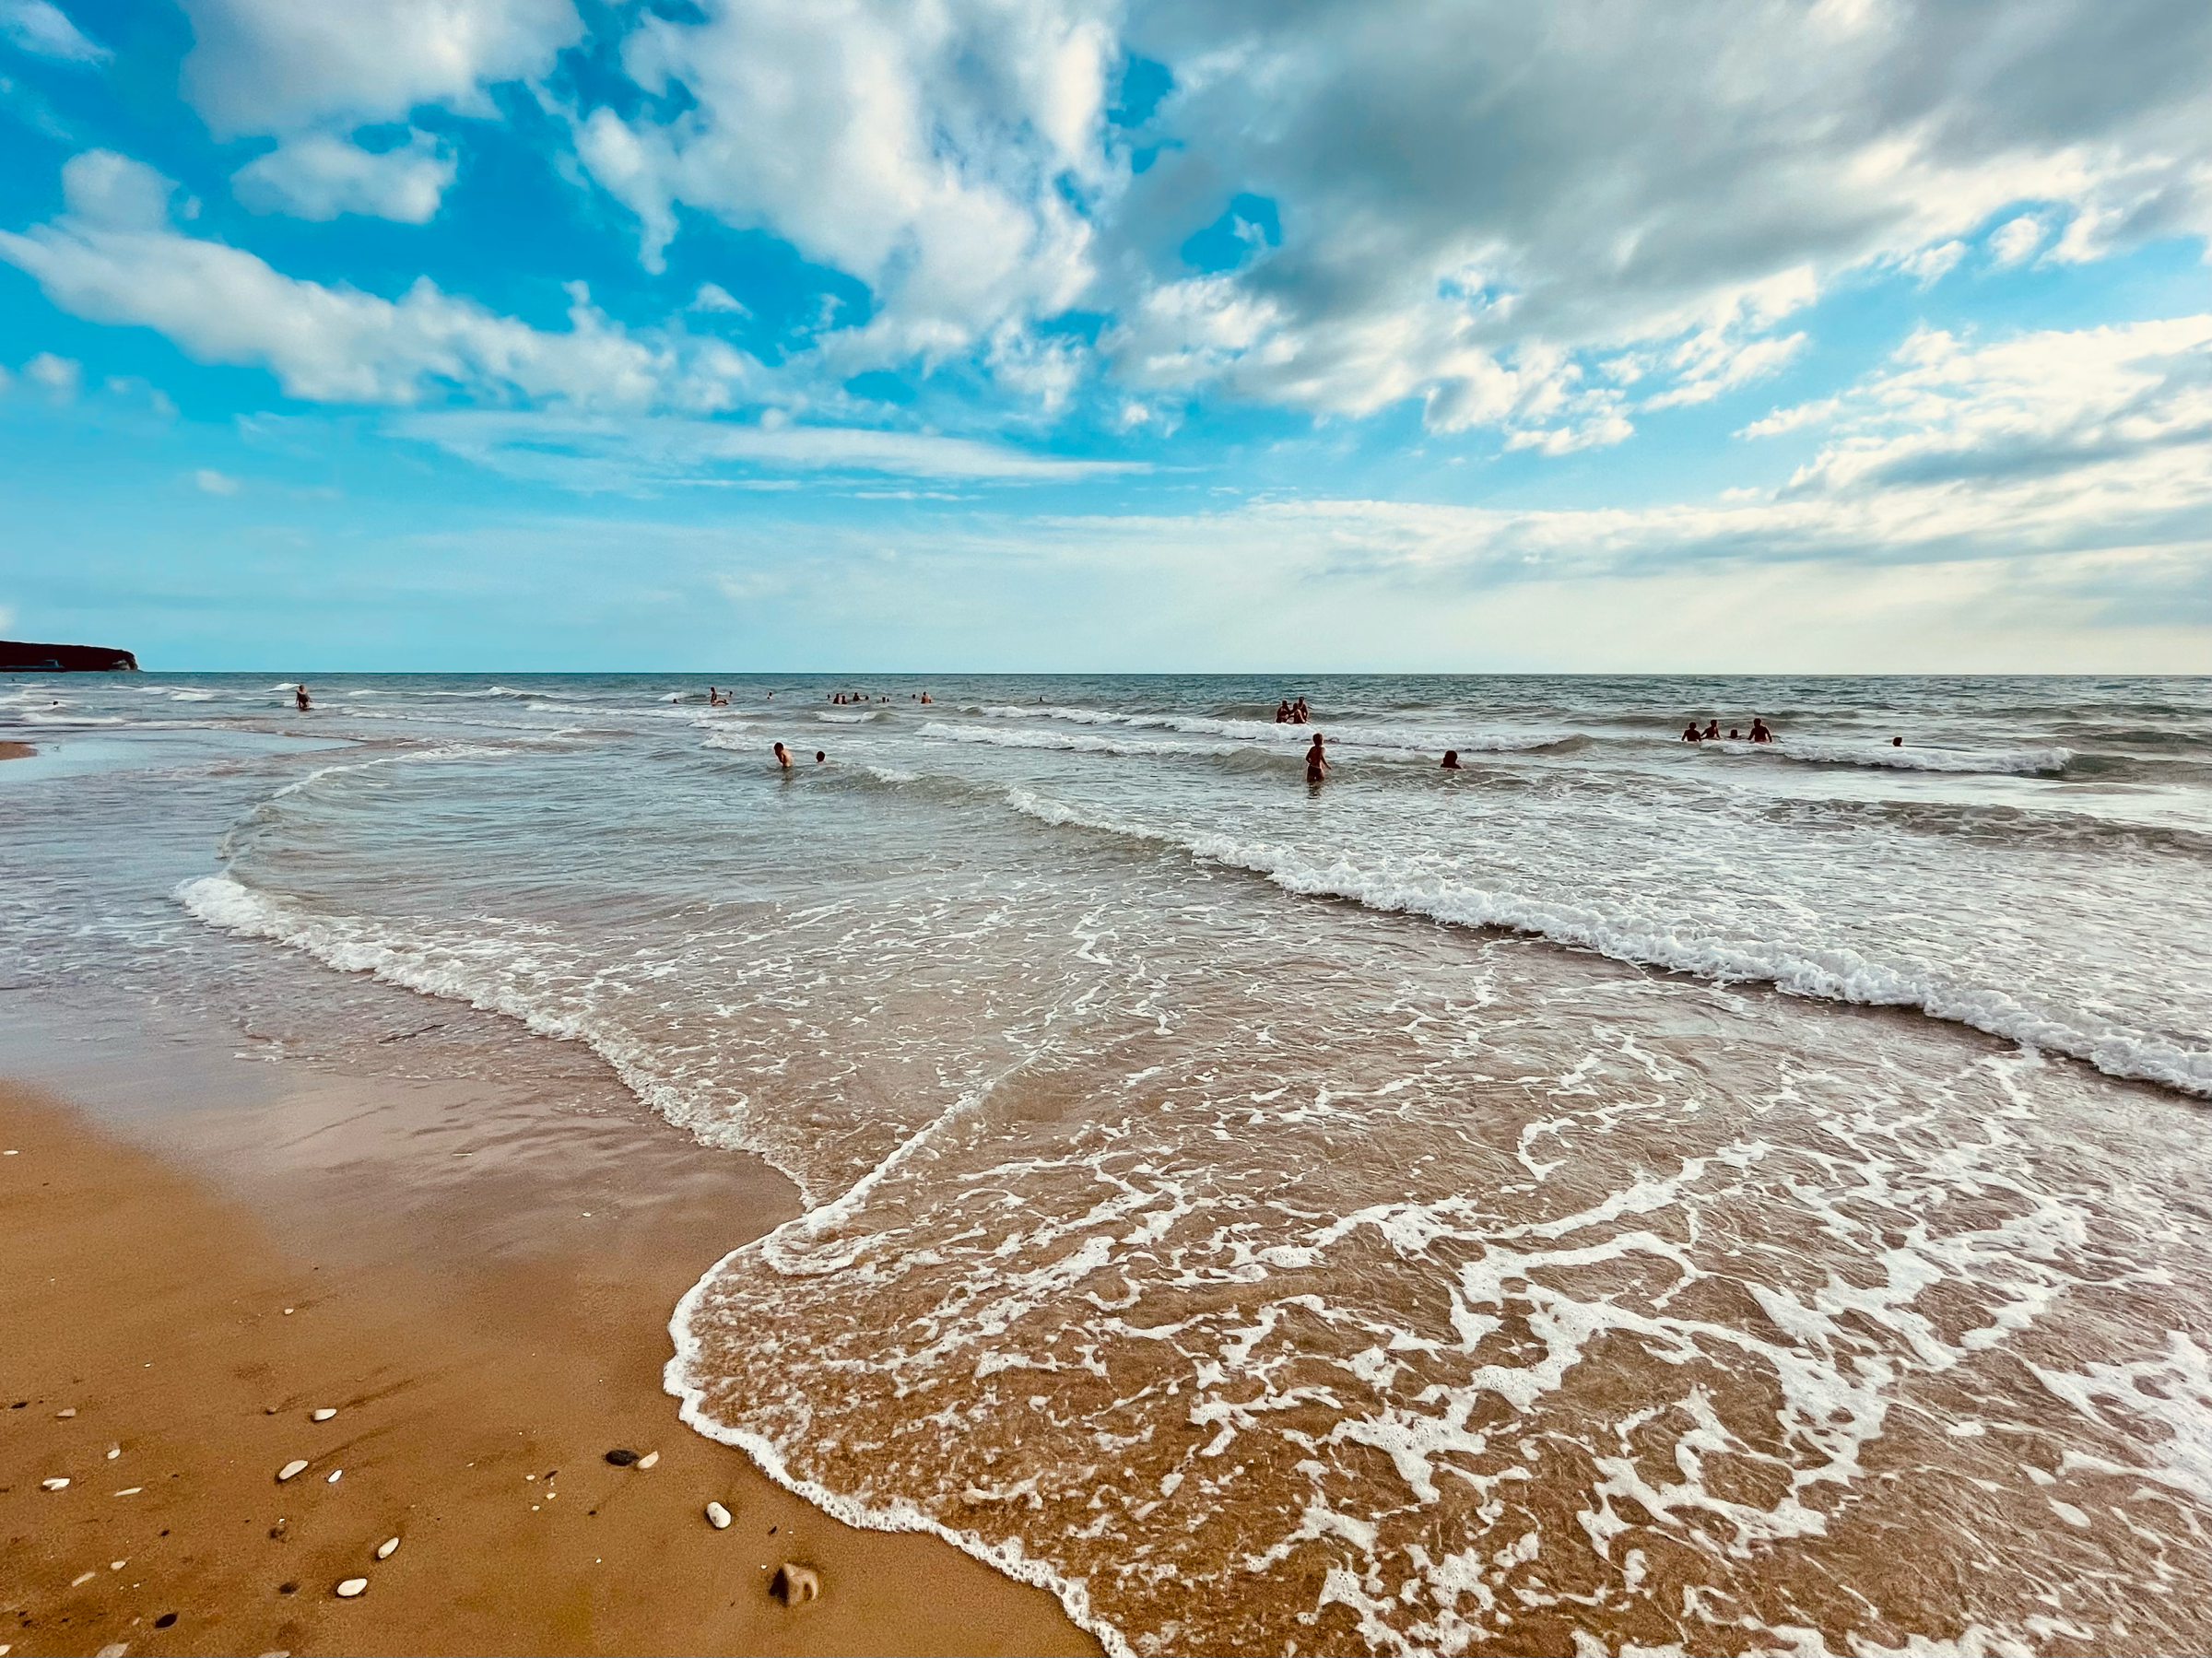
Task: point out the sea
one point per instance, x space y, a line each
1620 1195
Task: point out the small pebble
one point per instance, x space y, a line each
620 1457
351 1587
56 1484
385 1550
166 1619
115 1649
324 1415
114 1451
648 1459
81 1579
64 1414
335 1472
117 1565
717 1516
288 1589
297 1466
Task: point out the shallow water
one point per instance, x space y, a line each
1622 1195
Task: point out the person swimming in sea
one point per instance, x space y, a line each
1734 736
1713 731
783 757
1761 732
1299 714
1690 733
819 757
1451 761
1317 763
301 699
1897 742
1282 711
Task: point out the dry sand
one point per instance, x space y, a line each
477 1281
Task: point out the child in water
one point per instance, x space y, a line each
1317 763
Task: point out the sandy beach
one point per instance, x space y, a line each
477 1283
16 751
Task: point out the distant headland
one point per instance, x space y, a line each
17 657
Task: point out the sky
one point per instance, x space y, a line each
1760 335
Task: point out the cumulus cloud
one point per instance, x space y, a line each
280 67
318 176
1459 182
38 27
2013 240
616 454
115 255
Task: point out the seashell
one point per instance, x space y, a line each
114 1451
297 1466
115 1649
334 1474
648 1459
63 1416
351 1587
56 1484
324 1415
794 1585
717 1516
385 1550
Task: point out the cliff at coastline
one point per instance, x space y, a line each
19 657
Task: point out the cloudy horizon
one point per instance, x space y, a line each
1835 337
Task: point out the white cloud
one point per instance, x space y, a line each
712 296
1929 265
214 483
927 149
2107 411
317 176
281 66
2013 240
115 256
606 454
60 376
39 26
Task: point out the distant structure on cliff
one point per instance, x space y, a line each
17 657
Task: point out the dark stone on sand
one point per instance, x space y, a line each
621 1458
288 1589
166 1619
18 656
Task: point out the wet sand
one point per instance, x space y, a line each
16 751
477 1280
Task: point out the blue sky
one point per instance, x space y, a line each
1846 336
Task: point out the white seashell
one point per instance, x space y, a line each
65 1415
114 1451
336 1474
130 1491
324 1415
297 1466
351 1587
385 1548
81 1579
794 1585
56 1484
717 1516
648 1459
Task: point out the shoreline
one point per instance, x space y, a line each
477 1278
16 751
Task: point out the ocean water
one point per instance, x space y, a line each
1622 1196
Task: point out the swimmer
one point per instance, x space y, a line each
1734 736
1690 733
1897 742
820 757
299 699
1317 763
783 757
1761 732
1451 759
1282 711
1300 715
1713 731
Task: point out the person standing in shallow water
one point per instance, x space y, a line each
1317 763
783 757
1451 761
301 699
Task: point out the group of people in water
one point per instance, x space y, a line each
1287 713
1761 732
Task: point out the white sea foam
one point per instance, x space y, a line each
1433 739
1837 973
2018 762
